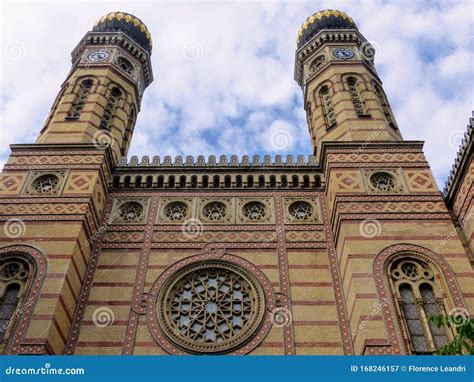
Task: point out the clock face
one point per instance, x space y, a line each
343 53
98 55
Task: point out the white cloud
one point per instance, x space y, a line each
224 71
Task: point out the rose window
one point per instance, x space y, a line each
46 184
131 211
176 211
410 270
13 269
255 211
301 210
215 211
383 181
211 307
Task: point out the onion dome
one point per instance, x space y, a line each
130 25
328 19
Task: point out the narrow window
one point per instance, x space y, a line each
328 107
81 98
109 111
356 98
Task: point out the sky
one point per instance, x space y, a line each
224 72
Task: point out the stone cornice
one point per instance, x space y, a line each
116 39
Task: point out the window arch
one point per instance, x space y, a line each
327 106
81 98
109 111
15 277
356 98
418 296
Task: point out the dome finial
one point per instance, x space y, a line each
129 24
327 19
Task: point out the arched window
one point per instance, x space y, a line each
328 107
125 65
14 277
109 111
384 104
81 98
418 296
356 98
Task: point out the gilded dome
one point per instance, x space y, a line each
328 19
130 25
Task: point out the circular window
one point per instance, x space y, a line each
130 211
300 210
46 184
410 270
176 211
383 181
211 307
317 63
13 269
255 211
125 65
215 211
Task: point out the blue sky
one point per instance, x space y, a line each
224 72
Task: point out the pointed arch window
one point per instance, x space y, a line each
328 107
356 98
418 297
81 98
14 276
109 111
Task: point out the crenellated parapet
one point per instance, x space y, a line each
212 160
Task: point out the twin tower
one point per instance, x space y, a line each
334 65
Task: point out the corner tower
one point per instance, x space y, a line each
100 98
343 94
